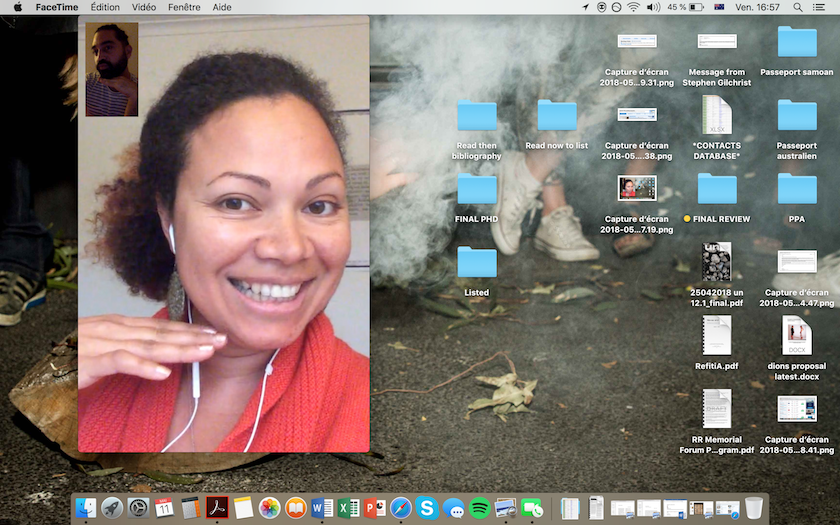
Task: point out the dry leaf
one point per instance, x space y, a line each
422 418
756 384
561 405
538 289
399 346
608 305
58 475
610 364
682 394
141 488
572 294
650 294
508 398
104 471
681 266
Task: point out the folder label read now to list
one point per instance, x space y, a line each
556 116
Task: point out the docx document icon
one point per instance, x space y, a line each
473 189
797 116
556 116
797 190
476 116
797 42
476 263
717 190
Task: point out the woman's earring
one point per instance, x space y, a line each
176 298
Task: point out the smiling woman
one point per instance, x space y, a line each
234 209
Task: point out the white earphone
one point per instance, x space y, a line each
172 237
196 377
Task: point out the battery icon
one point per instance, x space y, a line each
695 7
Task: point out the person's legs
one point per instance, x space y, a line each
521 180
25 245
560 234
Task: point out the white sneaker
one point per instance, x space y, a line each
517 193
826 278
561 236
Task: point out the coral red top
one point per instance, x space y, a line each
316 400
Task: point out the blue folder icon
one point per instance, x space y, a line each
797 116
476 116
556 116
476 190
797 42
797 190
476 263
716 190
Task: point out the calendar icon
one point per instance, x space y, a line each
164 508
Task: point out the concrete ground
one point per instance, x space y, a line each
594 428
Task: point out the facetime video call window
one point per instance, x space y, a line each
224 288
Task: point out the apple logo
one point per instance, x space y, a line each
18 7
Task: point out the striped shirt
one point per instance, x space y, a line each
101 101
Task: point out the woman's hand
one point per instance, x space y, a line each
384 163
115 344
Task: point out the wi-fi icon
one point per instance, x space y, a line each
633 6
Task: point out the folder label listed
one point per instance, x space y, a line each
797 42
476 116
716 190
556 116
476 190
797 116
797 190
476 263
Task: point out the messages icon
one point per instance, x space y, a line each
453 508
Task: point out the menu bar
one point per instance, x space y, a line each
445 7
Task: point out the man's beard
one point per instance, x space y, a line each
112 70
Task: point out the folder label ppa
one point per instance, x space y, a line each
797 190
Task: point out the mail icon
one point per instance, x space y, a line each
797 42
476 190
476 263
797 190
797 116
556 116
716 190
476 116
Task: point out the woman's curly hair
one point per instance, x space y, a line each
129 236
